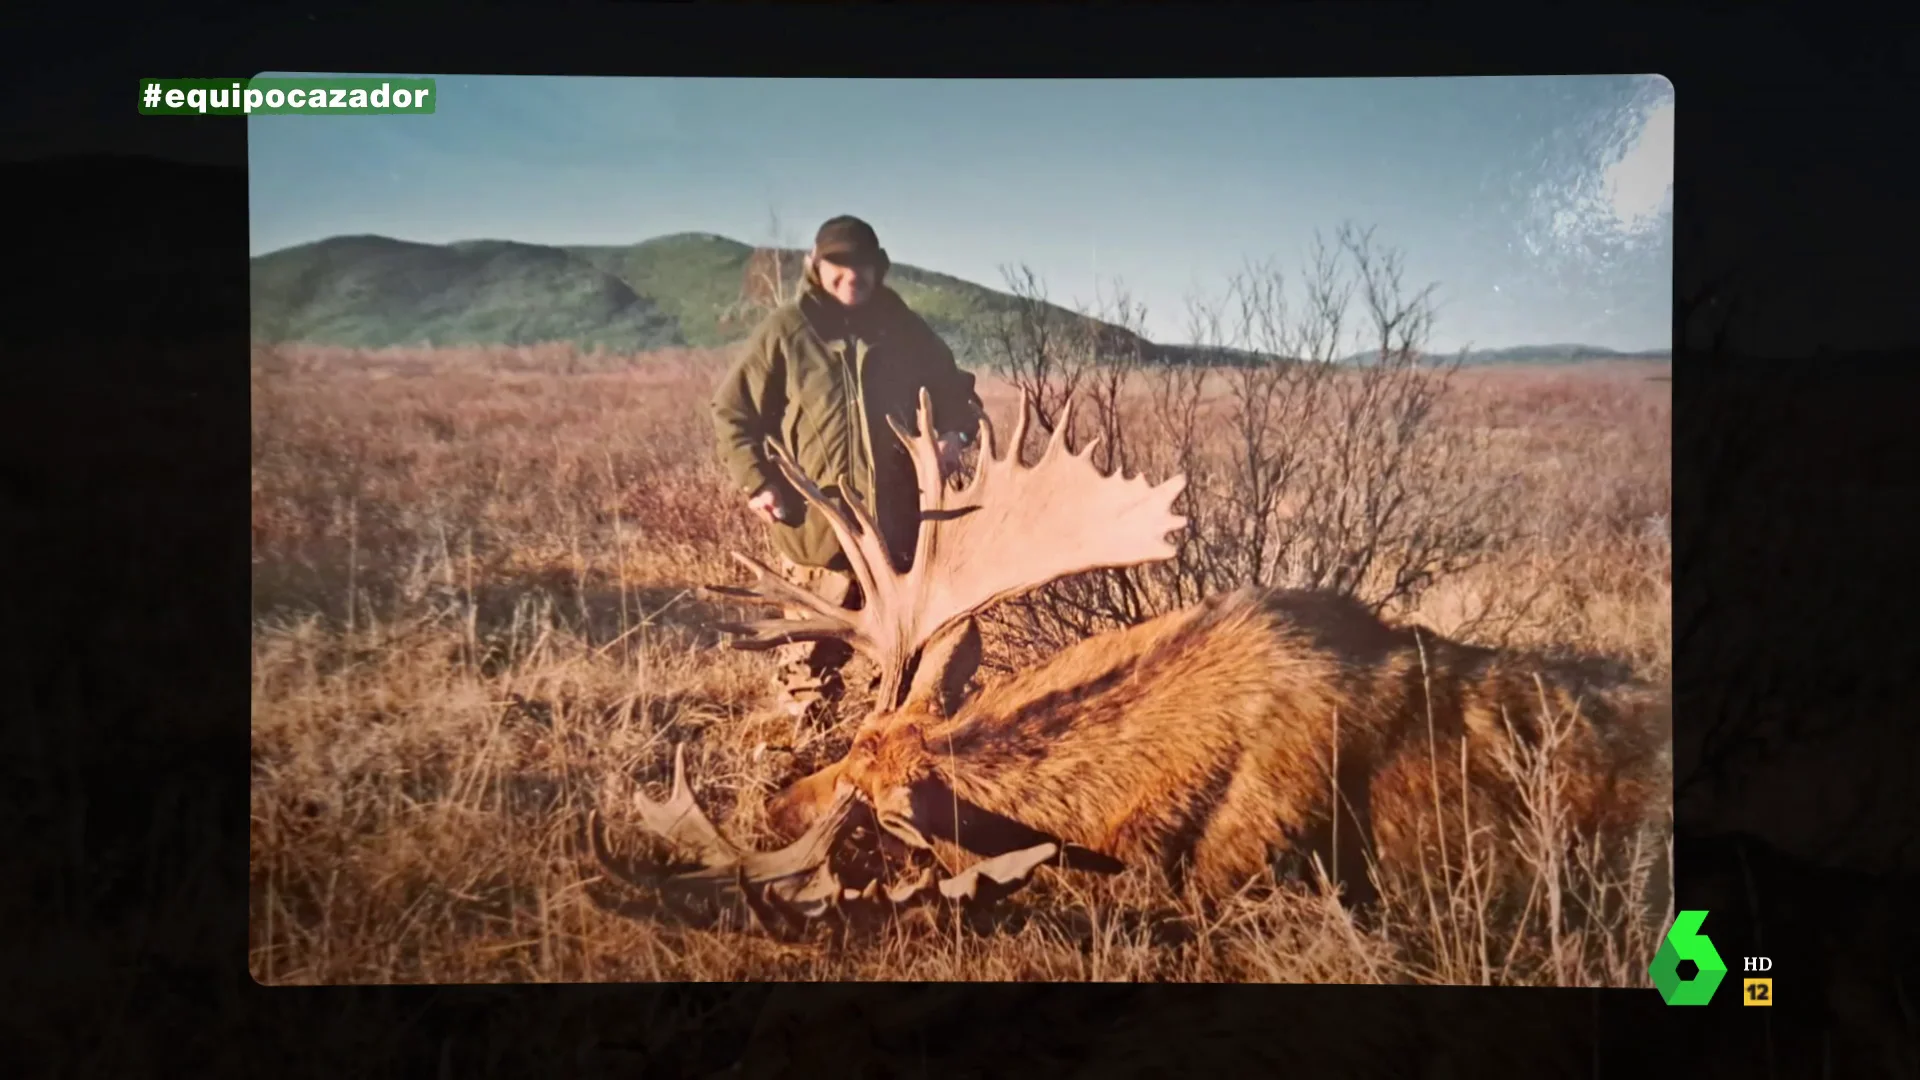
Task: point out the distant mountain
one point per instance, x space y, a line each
373 292
684 289
1546 354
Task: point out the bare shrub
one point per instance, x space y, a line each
1334 468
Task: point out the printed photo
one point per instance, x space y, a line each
971 530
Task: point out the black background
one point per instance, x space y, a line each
123 497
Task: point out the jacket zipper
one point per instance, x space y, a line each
864 434
856 434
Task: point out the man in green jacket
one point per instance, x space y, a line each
819 377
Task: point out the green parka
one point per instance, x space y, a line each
819 379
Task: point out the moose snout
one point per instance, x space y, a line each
790 813
794 810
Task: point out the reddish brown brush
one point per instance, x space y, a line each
1256 725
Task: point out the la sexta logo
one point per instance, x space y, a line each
1685 942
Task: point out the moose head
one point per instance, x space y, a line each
1010 529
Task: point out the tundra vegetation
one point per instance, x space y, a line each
479 619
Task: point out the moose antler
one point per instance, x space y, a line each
680 822
786 888
1012 529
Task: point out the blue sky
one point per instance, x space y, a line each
1540 205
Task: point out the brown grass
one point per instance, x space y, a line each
473 612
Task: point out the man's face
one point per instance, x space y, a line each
850 283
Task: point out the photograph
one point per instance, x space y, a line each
972 530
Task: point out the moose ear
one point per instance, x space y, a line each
946 664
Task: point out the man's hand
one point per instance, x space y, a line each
766 503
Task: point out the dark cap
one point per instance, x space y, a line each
847 239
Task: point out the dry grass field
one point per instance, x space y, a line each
474 605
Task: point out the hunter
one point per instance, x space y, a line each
819 376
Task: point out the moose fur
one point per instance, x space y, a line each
1205 742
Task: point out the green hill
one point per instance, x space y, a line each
684 289
374 292
693 277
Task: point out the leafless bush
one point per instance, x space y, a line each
1336 471
1037 345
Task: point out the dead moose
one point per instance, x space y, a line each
1208 741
